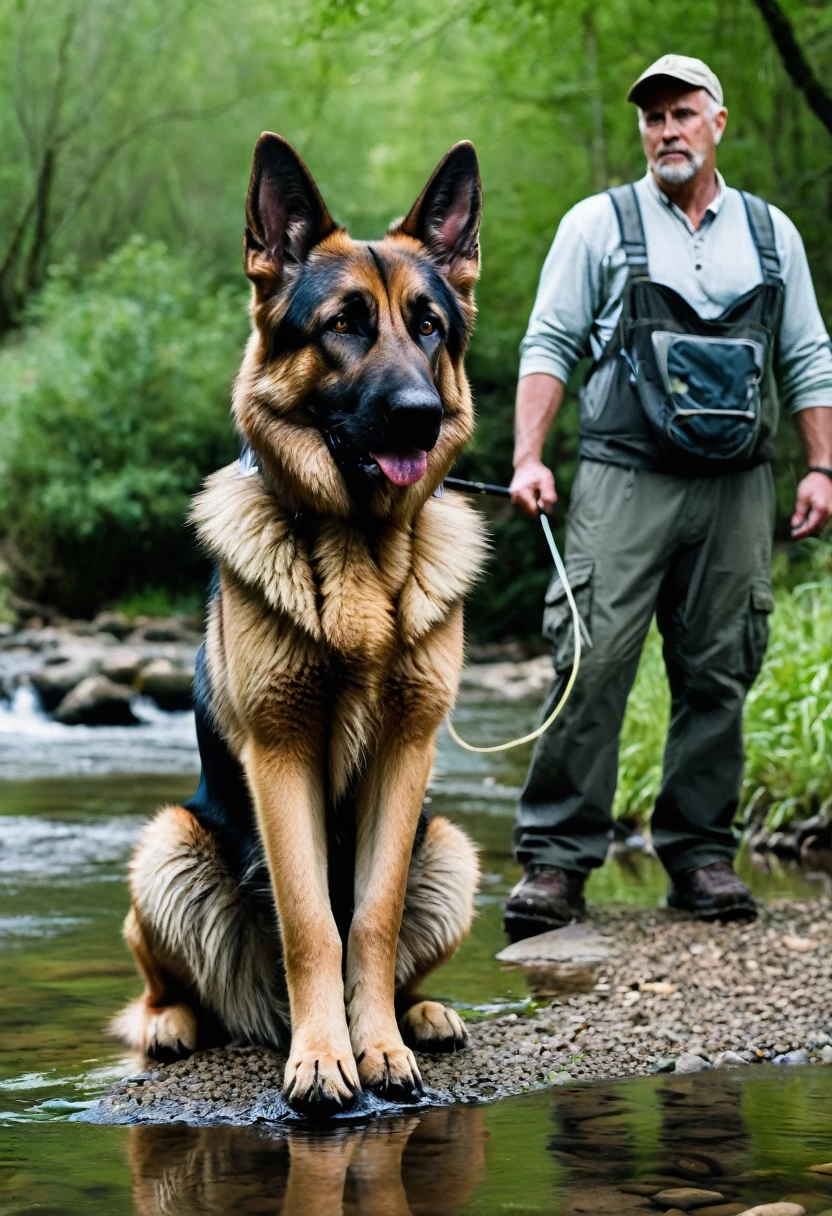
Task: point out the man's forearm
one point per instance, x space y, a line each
539 397
814 425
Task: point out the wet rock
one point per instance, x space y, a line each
792 1057
512 681
576 943
775 1209
123 666
171 687
97 701
813 1201
824 1168
688 1198
693 1167
53 682
729 1059
646 1189
826 1053
173 630
115 623
687 1062
721 1209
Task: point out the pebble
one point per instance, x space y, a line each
687 1062
627 1025
687 1198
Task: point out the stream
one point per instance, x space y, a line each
72 800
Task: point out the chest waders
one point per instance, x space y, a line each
675 392
670 518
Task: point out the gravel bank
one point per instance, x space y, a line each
673 994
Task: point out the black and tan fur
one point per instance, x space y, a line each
332 655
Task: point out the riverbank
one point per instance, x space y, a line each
649 991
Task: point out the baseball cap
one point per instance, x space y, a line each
680 68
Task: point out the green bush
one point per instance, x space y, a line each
114 404
788 714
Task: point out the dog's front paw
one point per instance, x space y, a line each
319 1082
390 1071
429 1026
170 1033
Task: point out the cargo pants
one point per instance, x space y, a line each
696 553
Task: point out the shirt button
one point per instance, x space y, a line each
698 266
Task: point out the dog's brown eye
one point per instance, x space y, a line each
427 326
341 325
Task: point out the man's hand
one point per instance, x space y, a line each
813 505
533 486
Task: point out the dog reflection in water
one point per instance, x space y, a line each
428 1164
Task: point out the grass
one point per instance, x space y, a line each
788 714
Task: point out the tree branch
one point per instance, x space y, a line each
795 62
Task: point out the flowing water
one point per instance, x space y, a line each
71 803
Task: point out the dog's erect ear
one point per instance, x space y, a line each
285 214
446 216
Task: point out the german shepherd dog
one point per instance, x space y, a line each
332 655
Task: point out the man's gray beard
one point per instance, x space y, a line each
677 175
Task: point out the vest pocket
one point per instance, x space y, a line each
557 614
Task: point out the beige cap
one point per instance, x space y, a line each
681 68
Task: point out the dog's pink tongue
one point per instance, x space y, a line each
402 468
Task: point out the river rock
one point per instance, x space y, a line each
97 701
171 687
693 1167
721 1209
792 1057
513 681
688 1198
687 1062
173 630
575 943
775 1209
825 1168
122 666
115 623
729 1059
55 680
813 1201
826 1053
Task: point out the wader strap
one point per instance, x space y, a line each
628 213
762 232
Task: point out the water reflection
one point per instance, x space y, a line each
622 1145
427 1165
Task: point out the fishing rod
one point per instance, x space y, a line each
578 627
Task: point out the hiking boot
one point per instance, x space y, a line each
712 892
546 897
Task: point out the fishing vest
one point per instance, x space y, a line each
674 392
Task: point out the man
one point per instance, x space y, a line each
697 304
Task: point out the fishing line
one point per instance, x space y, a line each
578 627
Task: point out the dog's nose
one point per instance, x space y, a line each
416 415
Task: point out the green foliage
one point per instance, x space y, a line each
116 120
788 714
161 602
113 407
